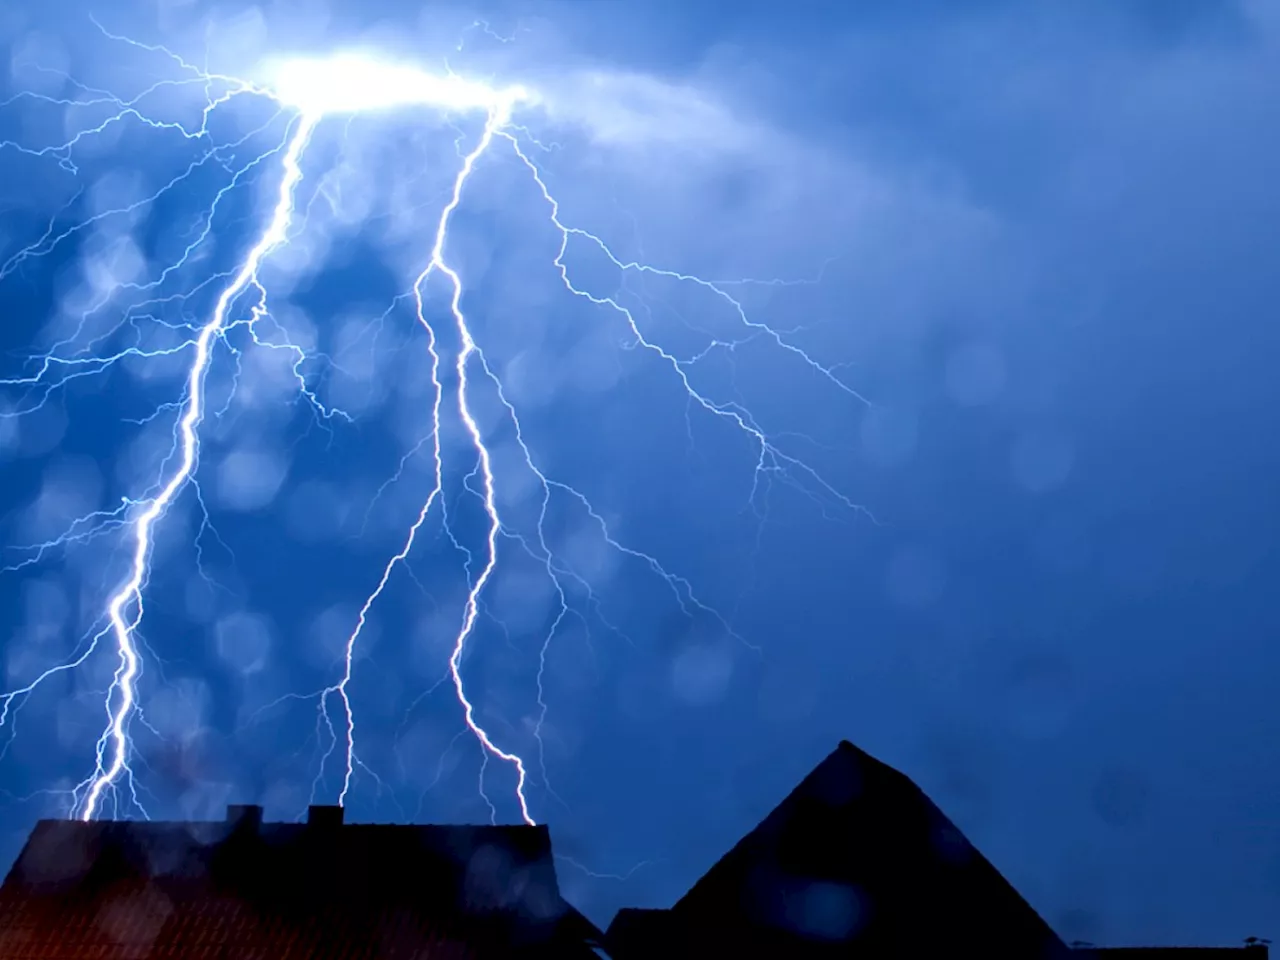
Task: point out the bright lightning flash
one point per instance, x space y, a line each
308 91
355 83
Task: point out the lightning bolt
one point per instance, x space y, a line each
124 609
306 92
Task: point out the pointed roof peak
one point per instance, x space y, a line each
849 748
855 827
843 774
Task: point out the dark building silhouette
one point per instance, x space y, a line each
247 890
856 862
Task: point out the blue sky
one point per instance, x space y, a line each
1033 351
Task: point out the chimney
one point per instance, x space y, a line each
325 816
244 816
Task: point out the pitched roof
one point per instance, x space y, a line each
241 889
858 854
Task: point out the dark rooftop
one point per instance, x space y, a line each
855 861
240 889
860 855
855 857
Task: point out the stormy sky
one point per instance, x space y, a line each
1012 530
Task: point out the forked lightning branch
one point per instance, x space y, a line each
314 91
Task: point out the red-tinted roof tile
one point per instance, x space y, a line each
163 891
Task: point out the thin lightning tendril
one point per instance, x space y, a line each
307 91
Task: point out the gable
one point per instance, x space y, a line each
858 853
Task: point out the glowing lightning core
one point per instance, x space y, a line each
355 83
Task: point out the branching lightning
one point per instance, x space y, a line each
124 609
309 93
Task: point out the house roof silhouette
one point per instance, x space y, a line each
855 855
241 889
856 861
